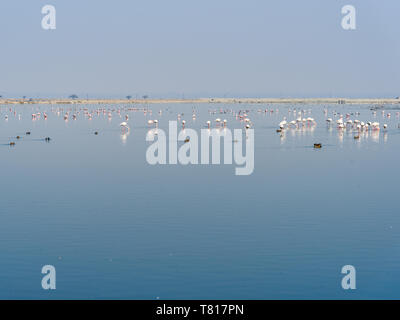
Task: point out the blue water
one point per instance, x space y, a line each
116 227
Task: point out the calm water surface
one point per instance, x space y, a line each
116 227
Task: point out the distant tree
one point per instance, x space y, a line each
145 96
129 97
73 96
23 97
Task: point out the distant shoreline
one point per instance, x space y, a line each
206 100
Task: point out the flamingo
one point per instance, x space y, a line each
282 124
375 126
124 126
310 121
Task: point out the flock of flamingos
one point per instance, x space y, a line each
295 119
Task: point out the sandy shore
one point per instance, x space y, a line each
206 100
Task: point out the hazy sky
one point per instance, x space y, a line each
168 48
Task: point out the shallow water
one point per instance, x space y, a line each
116 227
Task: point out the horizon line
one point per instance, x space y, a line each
335 100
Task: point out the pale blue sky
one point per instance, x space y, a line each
198 48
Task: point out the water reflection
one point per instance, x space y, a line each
124 136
